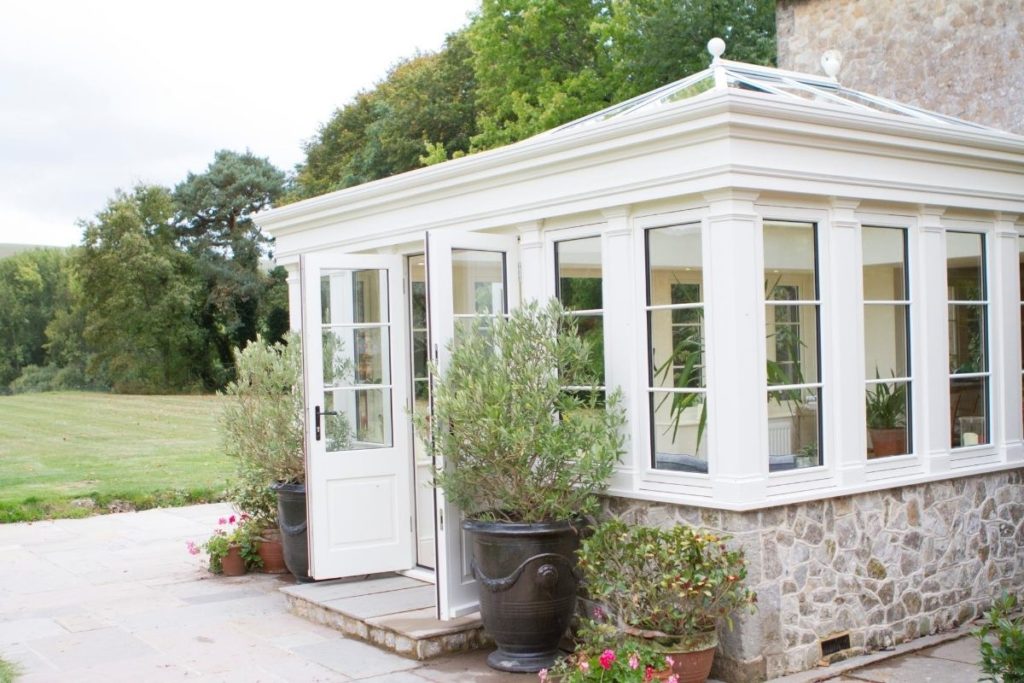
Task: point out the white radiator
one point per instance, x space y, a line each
780 436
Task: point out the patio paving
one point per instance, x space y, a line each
118 598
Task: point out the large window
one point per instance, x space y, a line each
792 314
887 341
578 283
675 322
968 339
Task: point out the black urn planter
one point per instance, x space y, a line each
291 519
527 581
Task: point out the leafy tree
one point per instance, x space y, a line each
424 107
32 286
139 292
213 223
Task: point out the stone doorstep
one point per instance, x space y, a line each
402 624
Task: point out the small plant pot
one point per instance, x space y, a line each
271 553
888 442
232 563
691 667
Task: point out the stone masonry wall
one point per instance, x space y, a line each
884 567
963 58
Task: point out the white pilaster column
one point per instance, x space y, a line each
844 435
1004 304
735 348
624 342
932 340
294 296
531 262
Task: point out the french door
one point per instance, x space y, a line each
355 370
468 274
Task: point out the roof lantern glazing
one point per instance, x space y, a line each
792 85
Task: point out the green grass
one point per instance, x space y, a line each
148 451
8 671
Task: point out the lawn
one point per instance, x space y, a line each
73 454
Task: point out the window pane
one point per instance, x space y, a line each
355 356
886 340
884 264
789 259
969 407
478 282
673 257
363 419
967 338
677 349
888 411
964 271
579 273
353 297
678 431
792 344
793 427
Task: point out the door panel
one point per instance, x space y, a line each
468 274
358 480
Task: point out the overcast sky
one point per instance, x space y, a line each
101 95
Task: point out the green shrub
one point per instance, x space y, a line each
517 445
1003 658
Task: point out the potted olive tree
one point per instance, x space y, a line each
528 441
666 589
262 428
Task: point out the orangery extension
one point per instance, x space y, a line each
846 270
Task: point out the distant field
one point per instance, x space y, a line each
145 451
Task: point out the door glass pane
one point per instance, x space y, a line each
478 282
354 356
353 296
363 419
885 341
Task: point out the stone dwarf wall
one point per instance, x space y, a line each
884 567
963 58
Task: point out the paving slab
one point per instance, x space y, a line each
355 659
381 604
964 650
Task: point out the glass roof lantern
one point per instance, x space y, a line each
723 74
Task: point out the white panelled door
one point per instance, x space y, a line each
468 274
358 473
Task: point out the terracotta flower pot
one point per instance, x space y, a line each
271 553
232 564
691 667
888 442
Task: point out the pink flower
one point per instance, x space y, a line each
606 659
193 549
231 519
585 666
598 613
648 674
634 661
673 679
542 675
669 661
222 521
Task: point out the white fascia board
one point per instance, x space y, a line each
522 181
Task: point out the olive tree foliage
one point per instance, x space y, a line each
517 445
138 293
262 426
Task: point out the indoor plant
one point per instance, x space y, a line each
887 418
669 588
262 426
524 461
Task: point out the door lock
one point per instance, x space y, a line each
318 413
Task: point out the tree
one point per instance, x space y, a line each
32 285
138 291
213 223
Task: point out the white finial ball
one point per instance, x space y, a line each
831 62
716 46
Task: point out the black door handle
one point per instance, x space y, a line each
318 413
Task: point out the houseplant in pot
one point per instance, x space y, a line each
524 461
262 428
669 589
887 418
